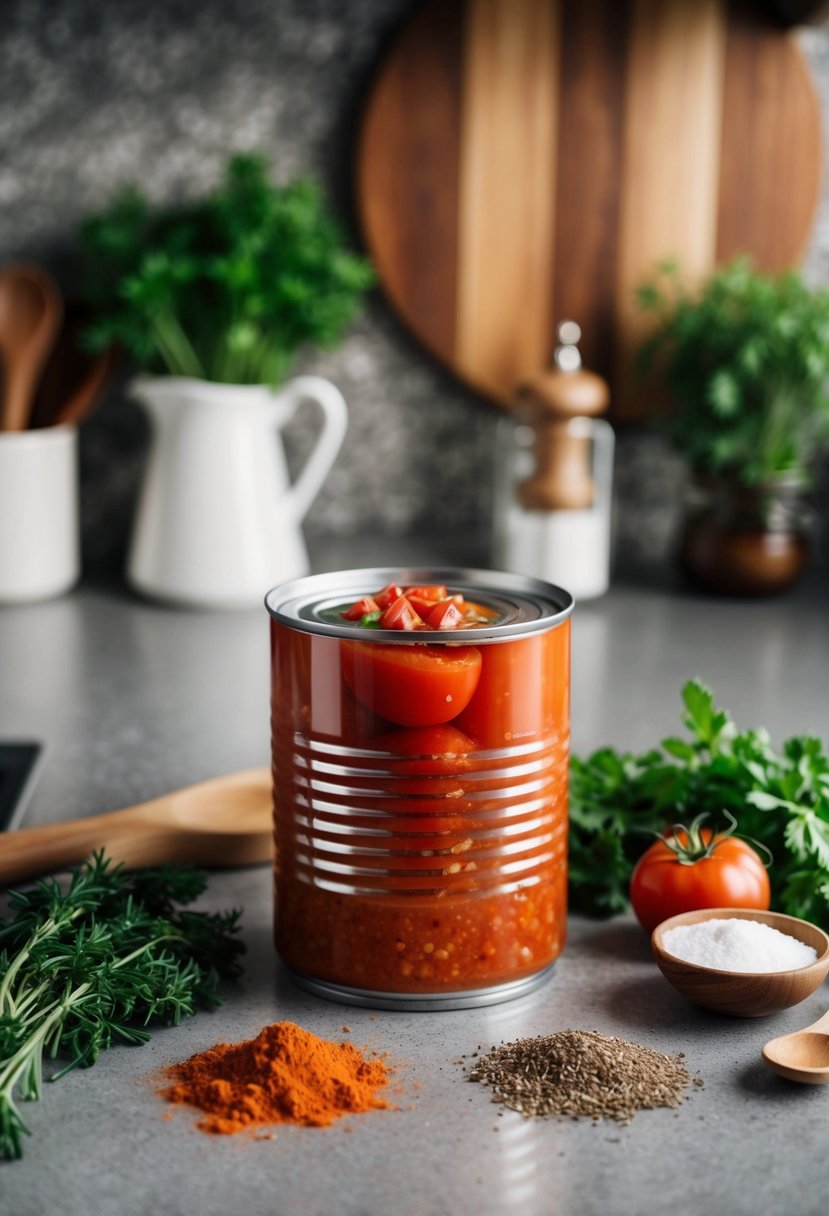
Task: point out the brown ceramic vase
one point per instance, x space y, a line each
746 540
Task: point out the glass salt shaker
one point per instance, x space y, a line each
555 477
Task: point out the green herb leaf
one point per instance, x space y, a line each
679 749
229 288
370 620
745 361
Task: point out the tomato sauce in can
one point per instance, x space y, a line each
420 786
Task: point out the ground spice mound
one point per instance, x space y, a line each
583 1074
284 1075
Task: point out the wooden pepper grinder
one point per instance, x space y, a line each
563 480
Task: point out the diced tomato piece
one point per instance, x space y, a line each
385 598
432 593
421 606
360 608
446 615
400 615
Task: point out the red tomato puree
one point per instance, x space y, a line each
420 807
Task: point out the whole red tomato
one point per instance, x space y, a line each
690 870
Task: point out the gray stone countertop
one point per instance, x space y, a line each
134 699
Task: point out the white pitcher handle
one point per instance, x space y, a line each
327 396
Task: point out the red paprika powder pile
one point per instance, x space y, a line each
284 1075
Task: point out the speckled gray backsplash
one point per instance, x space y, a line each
93 94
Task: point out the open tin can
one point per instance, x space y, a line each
420 789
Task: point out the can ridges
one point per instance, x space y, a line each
340 832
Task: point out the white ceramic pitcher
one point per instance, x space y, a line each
218 520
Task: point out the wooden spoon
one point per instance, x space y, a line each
31 311
803 1055
83 400
225 821
73 379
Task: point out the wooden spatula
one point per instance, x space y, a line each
225 821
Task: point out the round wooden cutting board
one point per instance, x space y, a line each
522 161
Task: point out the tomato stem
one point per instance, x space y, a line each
690 845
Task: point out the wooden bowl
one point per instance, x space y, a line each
741 993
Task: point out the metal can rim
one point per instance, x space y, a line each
552 604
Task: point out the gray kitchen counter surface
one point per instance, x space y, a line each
134 699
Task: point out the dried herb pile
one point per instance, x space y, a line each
581 1074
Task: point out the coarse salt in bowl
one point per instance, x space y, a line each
733 944
741 970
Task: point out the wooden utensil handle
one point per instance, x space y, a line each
822 1024
563 480
16 403
55 846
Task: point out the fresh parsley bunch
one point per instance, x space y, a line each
93 964
227 288
746 362
779 798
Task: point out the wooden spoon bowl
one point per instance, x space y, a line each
31 311
741 993
802 1056
225 821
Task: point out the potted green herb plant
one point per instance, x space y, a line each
213 300
745 361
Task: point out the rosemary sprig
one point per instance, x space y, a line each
93 964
